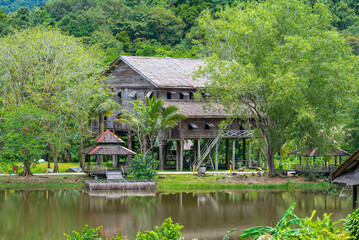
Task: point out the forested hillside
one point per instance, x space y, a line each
13 5
148 28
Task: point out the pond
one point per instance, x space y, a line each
39 214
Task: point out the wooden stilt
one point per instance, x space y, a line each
129 145
177 154
355 196
244 150
233 154
199 148
249 154
181 156
160 153
216 156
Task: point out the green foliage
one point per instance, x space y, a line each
282 226
143 167
167 231
24 136
320 229
87 234
279 74
352 224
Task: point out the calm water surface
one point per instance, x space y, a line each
48 214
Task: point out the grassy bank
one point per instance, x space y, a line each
220 182
174 183
43 182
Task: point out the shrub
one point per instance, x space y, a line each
352 224
167 231
91 234
321 229
143 167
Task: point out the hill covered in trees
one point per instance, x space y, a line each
13 5
147 28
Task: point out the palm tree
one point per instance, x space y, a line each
149 119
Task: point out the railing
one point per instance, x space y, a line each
236 133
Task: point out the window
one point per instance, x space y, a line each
208 126
191 95
119 95
169 95
133 95
192 126
149 94
105 118
183 95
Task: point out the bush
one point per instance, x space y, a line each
91 234
167 231
143 167
352 224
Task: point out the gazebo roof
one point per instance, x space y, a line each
107 150
313 152
107 137
348 171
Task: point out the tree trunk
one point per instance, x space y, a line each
27 170
271 166
56 166
82 156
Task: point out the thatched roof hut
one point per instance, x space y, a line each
348 173
313 152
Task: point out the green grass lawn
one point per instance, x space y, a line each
41 167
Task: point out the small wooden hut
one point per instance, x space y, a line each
107 143
314 153
348 173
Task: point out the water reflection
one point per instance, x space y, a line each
48 214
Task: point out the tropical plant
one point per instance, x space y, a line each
149 120
320 229
167 231
143 167
283 225
352 224
90 234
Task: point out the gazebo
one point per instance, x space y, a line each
348 173
107 143
313 152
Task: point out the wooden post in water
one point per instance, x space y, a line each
355 196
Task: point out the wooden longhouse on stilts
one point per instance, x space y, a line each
348 174
132 77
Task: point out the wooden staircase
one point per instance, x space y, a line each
114 175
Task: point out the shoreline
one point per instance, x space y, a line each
174 183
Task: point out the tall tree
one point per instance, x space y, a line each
281 64
54 72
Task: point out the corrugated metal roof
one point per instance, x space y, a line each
195 110
164 71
